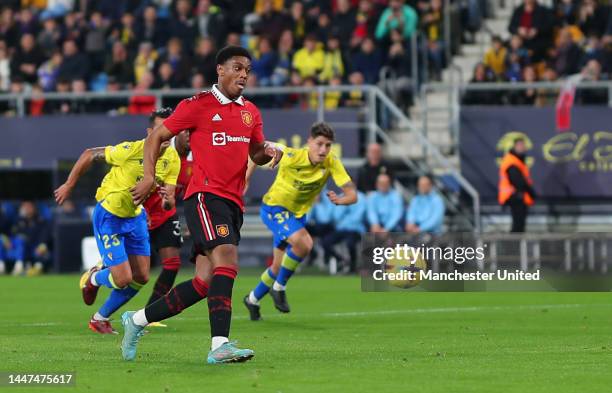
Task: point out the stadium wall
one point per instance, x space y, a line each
573 165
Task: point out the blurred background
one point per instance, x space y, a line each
426 98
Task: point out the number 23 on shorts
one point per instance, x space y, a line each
110 240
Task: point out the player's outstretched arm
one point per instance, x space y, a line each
262 153
348 197
152 145
79 168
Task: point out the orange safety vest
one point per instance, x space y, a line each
505 188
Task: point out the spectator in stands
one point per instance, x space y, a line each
567 55
527 96
125 32
36 106
5 69
344 20
397 16
282 71
515 185
73 28
271 22
334 61
211 23
516 58
593 18
481 97
8 29
349 226
592 96
145 60
297 22
399 61
62 106
183 24
119 66
425 213
34 233
49 37
323 28
495 57
533 23
233 39
431 24
365 22
368 61
75 65
198 82
95 41
355 97
48 72
147 29
143 102
179 61
547 96
385 206
204 60
566 12
308 61
26 60
26 23
165 78
593 50
374 166
264 62
80 104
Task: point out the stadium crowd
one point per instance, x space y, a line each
548 44
103 45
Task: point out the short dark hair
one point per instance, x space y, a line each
517 140
230 51
162 113
322 129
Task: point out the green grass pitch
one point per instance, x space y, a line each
336 339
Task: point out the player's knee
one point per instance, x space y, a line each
306 243
122 280
141 277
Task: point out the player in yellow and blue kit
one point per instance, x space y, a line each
120 227
301 176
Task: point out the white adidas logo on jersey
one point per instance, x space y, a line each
216 117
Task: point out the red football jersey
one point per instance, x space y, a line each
156 214
221 132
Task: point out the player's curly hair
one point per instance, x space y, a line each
322 129
230 51
162 113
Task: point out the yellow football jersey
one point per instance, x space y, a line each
298 182
126 159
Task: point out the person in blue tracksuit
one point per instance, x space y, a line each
385 207
426 211
349 221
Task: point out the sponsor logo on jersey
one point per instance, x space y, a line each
216 117
222 139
